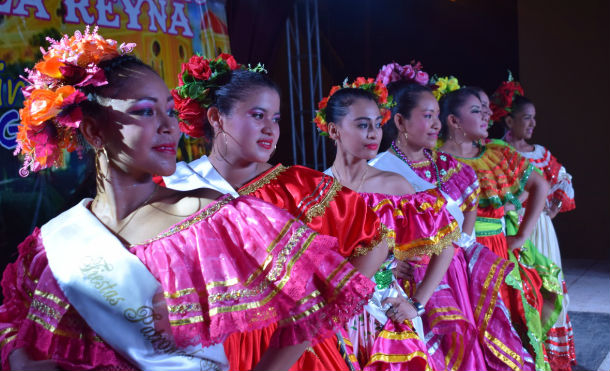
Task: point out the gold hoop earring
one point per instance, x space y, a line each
98 165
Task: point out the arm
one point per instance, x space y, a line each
434 274
470 218
280 358
538 188
369 264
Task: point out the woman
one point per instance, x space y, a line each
238 112
504 175
174 273
421 225
520 119
415 127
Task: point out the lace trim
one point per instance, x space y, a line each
383 233
262 181
319 208
439 243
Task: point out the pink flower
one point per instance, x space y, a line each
407 72
422 78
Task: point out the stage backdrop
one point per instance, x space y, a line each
167 34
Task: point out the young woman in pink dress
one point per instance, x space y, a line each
413 134
143 277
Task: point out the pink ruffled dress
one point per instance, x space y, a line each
237 265
475 270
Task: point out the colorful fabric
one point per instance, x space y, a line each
373 346
559 343
419 223
218 278
326 207
502 172
485 273
459 181
451 335
322 203
555 174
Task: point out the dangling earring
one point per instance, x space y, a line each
274 149
98 166
406 137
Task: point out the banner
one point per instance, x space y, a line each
167 33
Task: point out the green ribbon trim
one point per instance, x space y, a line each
485 227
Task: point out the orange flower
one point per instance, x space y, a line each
50 66
334 89
43 105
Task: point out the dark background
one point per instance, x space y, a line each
558 50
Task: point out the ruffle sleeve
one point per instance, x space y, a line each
323 204
36 316
502 172
420 223
243 264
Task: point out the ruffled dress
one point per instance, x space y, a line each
421 227
503 174
559 343
327 208
480 315
238 264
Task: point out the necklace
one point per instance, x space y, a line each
133 213
428 154
366 169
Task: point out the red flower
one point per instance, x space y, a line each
230 60
198 67
386 116
323 103
191 115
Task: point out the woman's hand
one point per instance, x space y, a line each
19 360
515 242
403 270
401 309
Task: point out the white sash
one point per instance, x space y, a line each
198 174
388 162
113 292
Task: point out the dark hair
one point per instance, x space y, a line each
449 105
112 70
339 103
477 90
519 102
405 95
234 86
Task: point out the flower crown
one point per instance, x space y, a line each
50 116
199 79
409 72
502 98
444 85
377 88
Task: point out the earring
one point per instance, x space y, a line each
98 166
274 149
406 136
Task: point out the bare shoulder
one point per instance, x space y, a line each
388 182
185 203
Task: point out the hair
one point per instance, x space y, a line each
234 86
339 103
115 70
479 91
450 104
405 95
519 103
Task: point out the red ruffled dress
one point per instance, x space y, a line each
238 264
327 208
